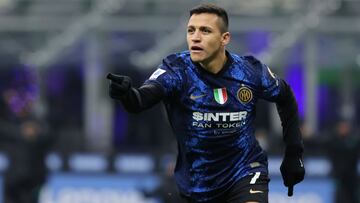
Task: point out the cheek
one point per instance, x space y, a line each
213 45
188 40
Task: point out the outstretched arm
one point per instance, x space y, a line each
133 99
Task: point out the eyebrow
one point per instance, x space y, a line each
201 27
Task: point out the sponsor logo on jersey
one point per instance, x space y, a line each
156 74
255 191
195 97
301 164
223 120
220 95
221 116
244 95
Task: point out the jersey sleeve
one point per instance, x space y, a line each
168 77
274 89
270 84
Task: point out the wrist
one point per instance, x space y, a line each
294 150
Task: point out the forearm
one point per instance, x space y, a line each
288 111
140 99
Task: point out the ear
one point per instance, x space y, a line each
225 38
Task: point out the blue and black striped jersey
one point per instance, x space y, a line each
212 116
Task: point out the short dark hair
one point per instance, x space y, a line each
214 9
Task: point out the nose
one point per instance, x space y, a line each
196 37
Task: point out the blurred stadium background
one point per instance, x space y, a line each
55 54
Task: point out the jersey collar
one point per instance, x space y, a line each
226 66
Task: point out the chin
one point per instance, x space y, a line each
196 59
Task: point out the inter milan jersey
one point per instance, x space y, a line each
212 116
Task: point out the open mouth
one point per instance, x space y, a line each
196 48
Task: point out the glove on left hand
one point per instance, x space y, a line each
292 170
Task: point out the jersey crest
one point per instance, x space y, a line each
244 95
220 95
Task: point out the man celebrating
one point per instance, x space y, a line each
210 97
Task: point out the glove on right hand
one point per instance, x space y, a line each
119 85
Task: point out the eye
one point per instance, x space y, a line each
190 30
206 30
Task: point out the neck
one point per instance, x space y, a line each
215 64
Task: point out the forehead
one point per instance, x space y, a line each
204 19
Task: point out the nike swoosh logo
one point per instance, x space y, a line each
255 191
193 97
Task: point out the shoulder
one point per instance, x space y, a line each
177 63
247 62
245 59
177 60
252 60
172 66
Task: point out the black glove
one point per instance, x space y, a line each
292 170
119 85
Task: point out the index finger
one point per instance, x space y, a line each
114 77
290 190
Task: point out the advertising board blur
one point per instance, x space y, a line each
100 188
76 188
311 190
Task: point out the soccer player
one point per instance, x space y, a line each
210 96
